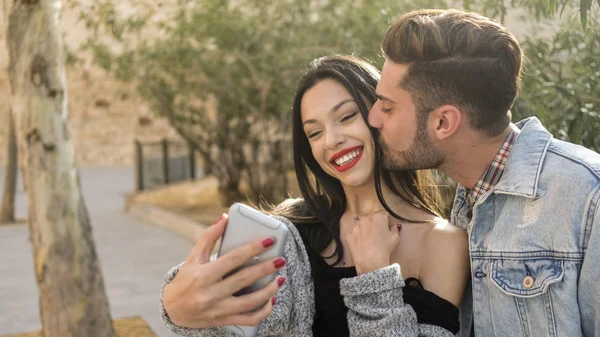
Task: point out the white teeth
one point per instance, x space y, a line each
345 159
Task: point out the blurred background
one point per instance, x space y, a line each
179 108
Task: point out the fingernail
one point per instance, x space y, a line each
218 219
280 281
399 226
280 262
268 242
273 300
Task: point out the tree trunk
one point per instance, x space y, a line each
207 162
73 300
7 211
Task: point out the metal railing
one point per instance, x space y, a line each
163 162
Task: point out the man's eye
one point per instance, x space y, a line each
349 116
385 111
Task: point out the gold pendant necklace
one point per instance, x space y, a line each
357 217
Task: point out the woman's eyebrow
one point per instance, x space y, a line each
334 109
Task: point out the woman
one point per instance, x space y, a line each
352 269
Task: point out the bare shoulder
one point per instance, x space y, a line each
445 234
446 266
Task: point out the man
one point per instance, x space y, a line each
530 203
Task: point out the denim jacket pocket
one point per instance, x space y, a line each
526 277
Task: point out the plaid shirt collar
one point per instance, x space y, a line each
492 175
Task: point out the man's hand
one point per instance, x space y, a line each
199 296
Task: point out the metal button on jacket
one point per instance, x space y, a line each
528 282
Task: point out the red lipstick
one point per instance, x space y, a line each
350 163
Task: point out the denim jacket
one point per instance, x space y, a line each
534 242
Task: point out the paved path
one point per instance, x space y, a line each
134 256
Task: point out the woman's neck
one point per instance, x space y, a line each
363 200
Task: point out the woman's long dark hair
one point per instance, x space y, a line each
319 212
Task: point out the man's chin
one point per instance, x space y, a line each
392 165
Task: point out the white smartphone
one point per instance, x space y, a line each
245 224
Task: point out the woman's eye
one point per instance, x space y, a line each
385 111
313 134
349 116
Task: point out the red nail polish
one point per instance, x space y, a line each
280 281
273 300
268 242
280 262
218 219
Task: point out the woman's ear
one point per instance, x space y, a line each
445 121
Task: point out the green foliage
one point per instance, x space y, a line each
541 9
561 83
224 72
561 80
245 55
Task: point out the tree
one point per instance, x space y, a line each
224 72
73 301
539 8
7 210
561 83
561 78
246 56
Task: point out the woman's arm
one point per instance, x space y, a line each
294 301
376 307
197 294
447 267
276 319
182 330
375 297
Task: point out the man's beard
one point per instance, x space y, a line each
421 154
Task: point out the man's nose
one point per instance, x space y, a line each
374 116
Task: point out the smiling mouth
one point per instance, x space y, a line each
347 160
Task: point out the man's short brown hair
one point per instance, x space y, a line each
459 58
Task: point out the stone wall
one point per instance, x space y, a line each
106 115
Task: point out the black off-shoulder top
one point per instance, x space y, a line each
330 316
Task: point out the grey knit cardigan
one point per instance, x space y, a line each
375 304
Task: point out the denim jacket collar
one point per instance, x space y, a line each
525 160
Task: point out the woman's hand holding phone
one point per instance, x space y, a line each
200 297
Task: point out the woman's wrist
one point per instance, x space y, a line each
372 266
